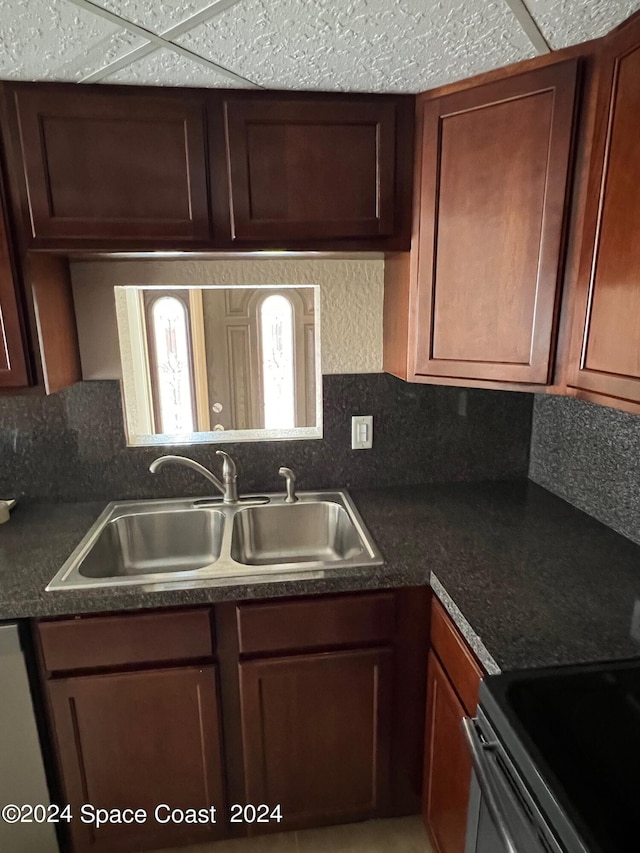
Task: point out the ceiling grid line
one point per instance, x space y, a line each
159 41
529 25
304 45
203 16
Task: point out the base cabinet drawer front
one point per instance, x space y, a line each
492 207
113 166
316 735
460 665
447 764
137 740
96 642
606 335
318 622
311 169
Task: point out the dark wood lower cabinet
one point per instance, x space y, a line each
312 704
447 763
316 731
137 740
453 680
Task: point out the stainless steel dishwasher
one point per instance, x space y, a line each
22 773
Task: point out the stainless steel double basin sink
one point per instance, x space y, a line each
185 541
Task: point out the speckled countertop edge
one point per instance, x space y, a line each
474 641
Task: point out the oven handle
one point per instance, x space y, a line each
477 748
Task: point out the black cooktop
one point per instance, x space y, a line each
580 726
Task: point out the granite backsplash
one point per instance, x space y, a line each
71 446
590 456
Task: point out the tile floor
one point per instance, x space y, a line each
404 835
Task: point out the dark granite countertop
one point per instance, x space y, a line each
531 580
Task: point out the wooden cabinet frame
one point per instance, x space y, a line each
535 337
613 386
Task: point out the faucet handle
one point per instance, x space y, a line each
290 479
228 466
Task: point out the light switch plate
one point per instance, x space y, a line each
362 432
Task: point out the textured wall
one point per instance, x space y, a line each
70 446
351 296
590 456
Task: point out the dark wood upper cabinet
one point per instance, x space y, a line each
38 336
14 371
492 183
112 166
605 347
317 168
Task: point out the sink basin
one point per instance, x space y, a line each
170 543
294 533
147 543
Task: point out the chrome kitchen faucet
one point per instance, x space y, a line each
228 486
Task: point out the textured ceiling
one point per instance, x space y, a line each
566 22
357 45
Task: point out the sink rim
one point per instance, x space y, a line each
225 569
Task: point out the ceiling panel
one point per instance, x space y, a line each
155 16
565 22
165 68
97 56
361 45
38 36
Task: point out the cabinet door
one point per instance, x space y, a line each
447 776
606 335
316 735
113 166
13 362
137 740
495 166
305 169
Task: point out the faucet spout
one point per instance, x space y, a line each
227 486
229 478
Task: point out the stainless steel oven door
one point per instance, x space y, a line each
503 817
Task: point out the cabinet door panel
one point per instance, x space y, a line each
606 339
494 179
310 169
113 166
13 363
316 734
137 740
447 777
